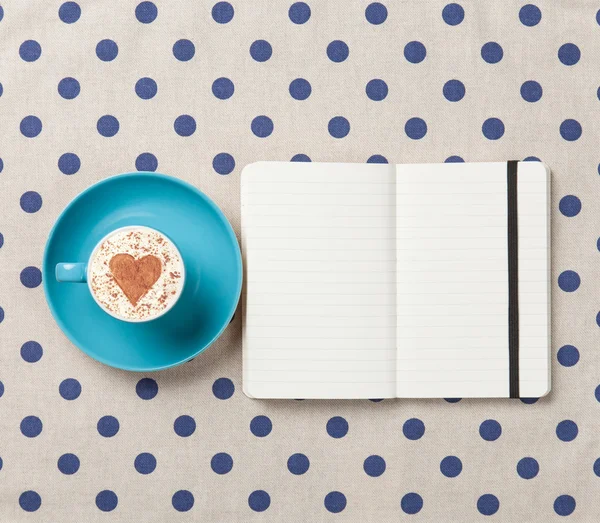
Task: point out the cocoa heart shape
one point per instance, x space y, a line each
135 277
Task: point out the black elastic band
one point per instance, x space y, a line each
513 278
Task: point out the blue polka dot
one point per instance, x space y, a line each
31 351
453 14
415 128
531 159
597 17
1 13
298 464
259 501
335 502
413 429
451 466
597 463
452 400
376 13
598 319
299 12
31 202
569 54
567 430
492 52
570 130
68 464
1 165
530 15
488 504
184 426
31 126
1 319
261 50
454 159
107 50
261 426
454 90
490 430
221 463
564 505
568 355
145 463
1 244
300 158
377 158
31 426
338 127
411 503
223 388
30 501
69 163
108 426
146 12
182 500
1 89
337 51
30 50
146 88
337 427
569 205
377 90
184 125
146 162
531 91
493 128
415 52
107 125
1 463
1 389
569 281
374 466
223 88
69 389
223 163
262 126
528 468
184 50
68 88
222 12
69 12
31 277
146 388
106 500
300 89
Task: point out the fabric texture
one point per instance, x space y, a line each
197 90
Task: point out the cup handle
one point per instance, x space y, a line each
71 272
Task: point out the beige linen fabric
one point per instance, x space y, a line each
300 126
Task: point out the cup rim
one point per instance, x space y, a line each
95 250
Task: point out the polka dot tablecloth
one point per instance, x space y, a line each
198 89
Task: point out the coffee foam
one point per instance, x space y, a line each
137 242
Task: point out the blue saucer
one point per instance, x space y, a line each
211 255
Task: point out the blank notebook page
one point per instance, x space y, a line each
320 284
452 280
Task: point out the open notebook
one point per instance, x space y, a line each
378 281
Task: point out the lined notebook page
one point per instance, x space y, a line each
320 287
452 280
